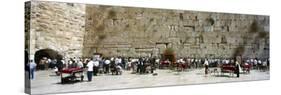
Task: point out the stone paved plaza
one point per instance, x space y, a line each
47 82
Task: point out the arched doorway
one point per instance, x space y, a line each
49 53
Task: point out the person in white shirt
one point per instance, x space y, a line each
196 63
116 61
96 67
157 61
223 61
264 65
134 63
192 60
227 61
206 64
178 61
259 64
119 61
251 61
32 67
112 59
106 65
182 61
63 62
70 62
90 66
182 64
255 62
129 64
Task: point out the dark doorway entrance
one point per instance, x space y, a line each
49 53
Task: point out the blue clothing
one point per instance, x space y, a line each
32 73
32 67
90 75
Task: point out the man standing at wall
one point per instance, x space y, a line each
32 67
59 65
106 65
206 64
90 66
96 66
237 68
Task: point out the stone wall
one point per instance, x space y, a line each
127 31
57 26
84 29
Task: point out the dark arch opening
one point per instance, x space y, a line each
49 53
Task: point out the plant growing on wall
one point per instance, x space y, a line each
210 21
111 14
169 53
254 27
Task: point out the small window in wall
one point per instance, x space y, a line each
172 27
210 21
196 18
223 40
181 16
114 21
201 39
139 15
227 28
189 28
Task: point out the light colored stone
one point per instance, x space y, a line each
87 29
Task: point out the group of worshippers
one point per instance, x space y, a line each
207 63
261 64
99 65
146 65
116 65
141 65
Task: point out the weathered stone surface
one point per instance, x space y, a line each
83 29
189 33
57 26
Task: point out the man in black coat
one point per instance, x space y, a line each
237 68
152 64
59 66
140 66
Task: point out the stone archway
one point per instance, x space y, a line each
49 53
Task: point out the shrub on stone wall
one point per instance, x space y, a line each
169 53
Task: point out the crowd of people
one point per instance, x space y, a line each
139 65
